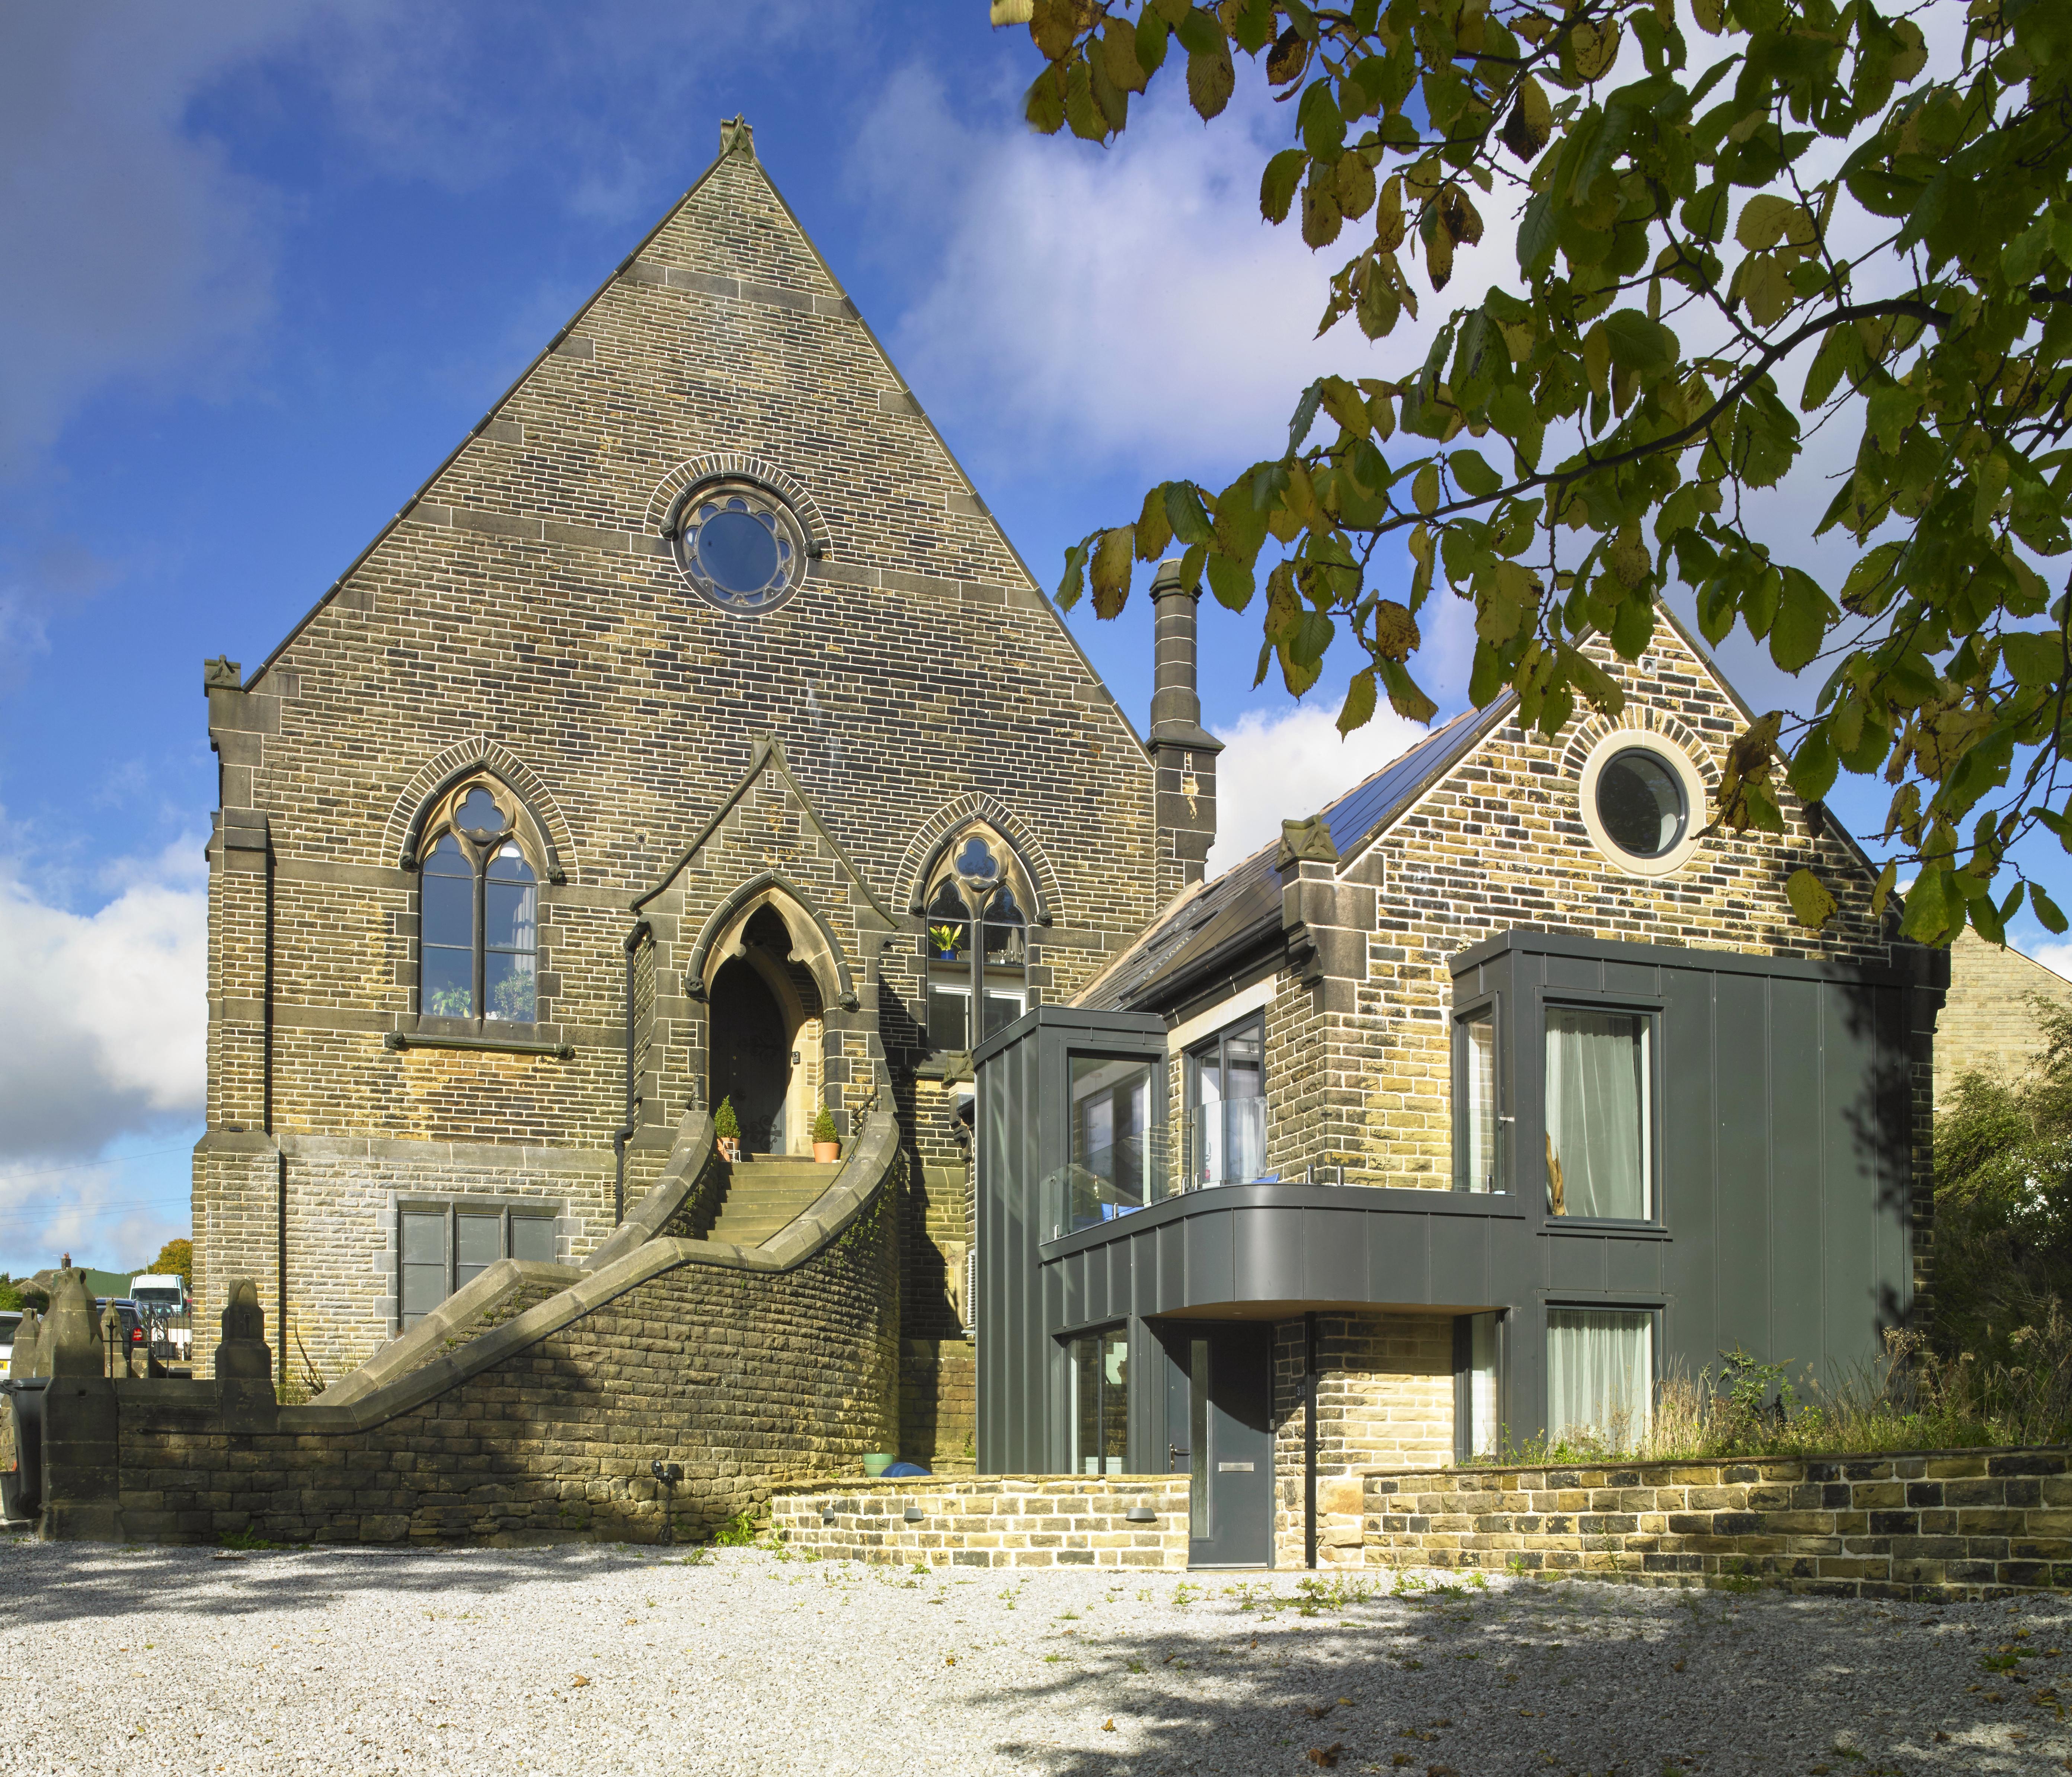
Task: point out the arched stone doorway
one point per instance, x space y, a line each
765 1046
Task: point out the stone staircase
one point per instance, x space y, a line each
765 1191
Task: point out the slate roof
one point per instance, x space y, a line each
1231 915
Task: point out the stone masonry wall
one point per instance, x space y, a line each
1384 1397
1937 1524
525 614
1359 1067
747 1379
998 1521
1989 1020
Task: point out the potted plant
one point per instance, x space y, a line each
727 1127
827 1138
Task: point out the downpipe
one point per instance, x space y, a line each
624 1133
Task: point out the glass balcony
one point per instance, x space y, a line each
1225 1143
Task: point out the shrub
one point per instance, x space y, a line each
725 1125
824 1127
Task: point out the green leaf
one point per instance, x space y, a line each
1304 416
1045 105
1154 530
1473 474
1358 710
1928 913
1184 514
2033 660
1231 581
1638 343
2045 909
1211 77
1809 900
1800 626
1425 490
1072 583
1764 221
1278 184
1316 116
1110 570
1406 696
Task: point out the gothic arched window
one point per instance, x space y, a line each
977 885
479 911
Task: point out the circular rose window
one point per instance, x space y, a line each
1640 802
740 545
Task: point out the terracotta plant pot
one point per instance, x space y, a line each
729 1148
827 1152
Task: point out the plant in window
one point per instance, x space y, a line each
949 940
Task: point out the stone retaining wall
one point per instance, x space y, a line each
1963 1523
994 1521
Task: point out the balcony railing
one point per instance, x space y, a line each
1224 1143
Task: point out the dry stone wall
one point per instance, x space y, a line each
997 1521
1964 1524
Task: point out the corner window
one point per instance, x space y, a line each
478 906
975 943
1599 1108
1113 1167
441 1247
1226 1084
1100 1365
1477 1116
1600 1374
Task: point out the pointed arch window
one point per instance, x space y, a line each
479 908
975 943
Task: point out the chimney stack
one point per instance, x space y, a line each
1183 753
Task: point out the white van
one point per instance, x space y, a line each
166 1296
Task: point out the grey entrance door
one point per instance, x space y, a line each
1220 1411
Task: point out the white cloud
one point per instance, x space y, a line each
1112 301
1283 764
2057 957
108 1012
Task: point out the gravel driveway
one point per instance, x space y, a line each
582 1659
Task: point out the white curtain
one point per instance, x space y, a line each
1479 1040
1598 1109
1484 1428
1599 1372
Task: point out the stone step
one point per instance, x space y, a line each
765 1193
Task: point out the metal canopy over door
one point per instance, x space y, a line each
1219 1416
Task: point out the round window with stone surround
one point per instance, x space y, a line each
1642 801
739 544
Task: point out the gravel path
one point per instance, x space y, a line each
574 1659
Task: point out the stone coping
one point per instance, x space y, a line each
982 1484
1756 1466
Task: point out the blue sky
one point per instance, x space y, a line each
268 261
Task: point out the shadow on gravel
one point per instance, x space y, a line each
48 1583
1575 1679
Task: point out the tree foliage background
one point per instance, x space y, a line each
1738 223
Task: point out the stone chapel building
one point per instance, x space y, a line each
622 772
695 739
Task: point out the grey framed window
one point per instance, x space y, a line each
440 1247
479 920
1478 1410
1099 1366
1113 1157
1479 1116
1225 1079
1599 1108
1600 1373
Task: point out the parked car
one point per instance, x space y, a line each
10 1319
133 1322
163 1296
